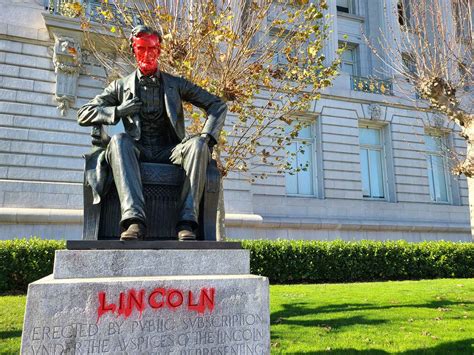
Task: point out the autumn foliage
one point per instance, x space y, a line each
264 58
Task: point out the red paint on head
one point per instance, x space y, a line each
146 48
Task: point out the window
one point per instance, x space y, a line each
349 59
463 18
404 14
437 167
280 57
299 178
346 6
372 162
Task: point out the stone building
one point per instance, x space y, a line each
377 169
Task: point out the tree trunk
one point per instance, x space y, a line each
220 218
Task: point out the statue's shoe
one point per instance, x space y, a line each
136 231
186 232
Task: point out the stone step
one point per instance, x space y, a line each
70 264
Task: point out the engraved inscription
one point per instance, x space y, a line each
224 334
155 321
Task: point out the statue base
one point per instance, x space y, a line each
165 301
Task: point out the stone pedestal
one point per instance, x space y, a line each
148 302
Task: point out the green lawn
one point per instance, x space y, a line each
409 317
12 309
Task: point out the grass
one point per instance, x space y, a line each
408 317
12 309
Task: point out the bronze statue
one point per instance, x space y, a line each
149 103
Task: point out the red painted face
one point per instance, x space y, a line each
147 51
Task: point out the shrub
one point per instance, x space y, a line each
25 260
286 261
283 261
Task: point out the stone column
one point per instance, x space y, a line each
331 44
470 185
391 30
451 40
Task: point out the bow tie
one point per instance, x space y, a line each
150 81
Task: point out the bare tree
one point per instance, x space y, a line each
264 57
433 42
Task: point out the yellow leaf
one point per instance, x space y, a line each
187 64
113 29
312 51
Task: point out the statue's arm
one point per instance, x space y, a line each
214 107
101 109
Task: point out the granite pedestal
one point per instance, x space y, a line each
156 301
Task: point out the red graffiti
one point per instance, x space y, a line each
206 300
152 299
103 306
135 301
174 299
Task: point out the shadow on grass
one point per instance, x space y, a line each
10 334
456 347
301 309
285 315
465 346
329 324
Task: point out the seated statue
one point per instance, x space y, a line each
149 103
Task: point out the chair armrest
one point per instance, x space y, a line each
99 137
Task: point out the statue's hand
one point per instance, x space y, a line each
128 107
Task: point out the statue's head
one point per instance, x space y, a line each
145 44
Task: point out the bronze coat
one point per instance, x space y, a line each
101 111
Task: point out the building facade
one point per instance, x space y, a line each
377 167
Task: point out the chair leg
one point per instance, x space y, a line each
209 204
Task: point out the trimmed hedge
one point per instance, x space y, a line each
286 261
25 260
282 261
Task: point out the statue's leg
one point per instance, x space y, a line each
123 157
193 156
